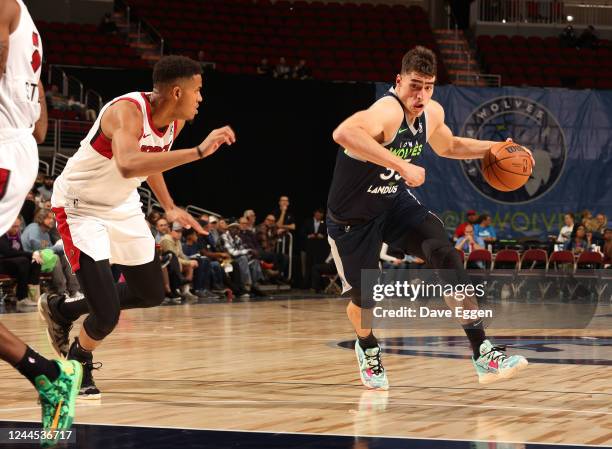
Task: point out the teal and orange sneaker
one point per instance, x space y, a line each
371 370
493 363
58 399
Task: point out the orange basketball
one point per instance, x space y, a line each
507 166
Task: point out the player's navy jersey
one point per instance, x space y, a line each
362 190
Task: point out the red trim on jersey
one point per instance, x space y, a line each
5 175
158 132
102 144
73 254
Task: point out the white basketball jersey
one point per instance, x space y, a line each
91 176
19 105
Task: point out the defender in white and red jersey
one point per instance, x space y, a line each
98 209
23 111
23 123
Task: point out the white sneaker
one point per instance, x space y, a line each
26 305
76 297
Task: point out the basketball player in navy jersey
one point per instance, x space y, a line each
23 123
369 204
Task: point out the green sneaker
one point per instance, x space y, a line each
371 370
493 363
58 399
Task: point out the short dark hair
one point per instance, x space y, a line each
571 214
188 232
174 67
483 217
421 60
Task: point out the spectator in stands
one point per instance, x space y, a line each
36 237
600 224
284 218
207 248
301 71
249 214
84 112
171 242
55 100
240 273
472 218
578 244
469 242
46 190
24 265
282 69
214 231
588 38
250 269
270 261
565 234
485 230
314 243
268 235
202 275
607 247
568 37
152 221
264 68
395 258
28 208
107 26
162 228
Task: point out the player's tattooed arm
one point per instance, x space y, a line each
446 145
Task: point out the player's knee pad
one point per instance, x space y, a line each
440 254
100 325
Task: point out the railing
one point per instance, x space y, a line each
43 167
592 12
58 164
482 79
148 200
68 85
93 100
69 134
198 211
141 27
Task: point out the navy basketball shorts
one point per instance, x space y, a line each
357 246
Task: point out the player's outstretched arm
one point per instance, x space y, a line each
446 145
122 123
362 135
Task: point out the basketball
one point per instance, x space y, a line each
507 166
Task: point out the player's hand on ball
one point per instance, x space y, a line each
215 139
413 175
509 139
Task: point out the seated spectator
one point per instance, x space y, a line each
268 235
568 37
152 220
84 112
395 258
301 71
469 242
162 228
250 268
600 223
472 218
578 244
588 38
46 190
213 230
607 247
249 214
25 266
107 26
282 69
207 248
202 276
264 68
565 234
37 236
55 99
28 208
171 243
485 230
284 218
271 263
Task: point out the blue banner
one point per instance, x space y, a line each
570 135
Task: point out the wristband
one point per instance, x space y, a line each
200 153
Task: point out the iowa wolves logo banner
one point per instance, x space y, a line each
569 134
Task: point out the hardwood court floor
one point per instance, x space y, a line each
275 366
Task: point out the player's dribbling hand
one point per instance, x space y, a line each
413 175
215 139
509 139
